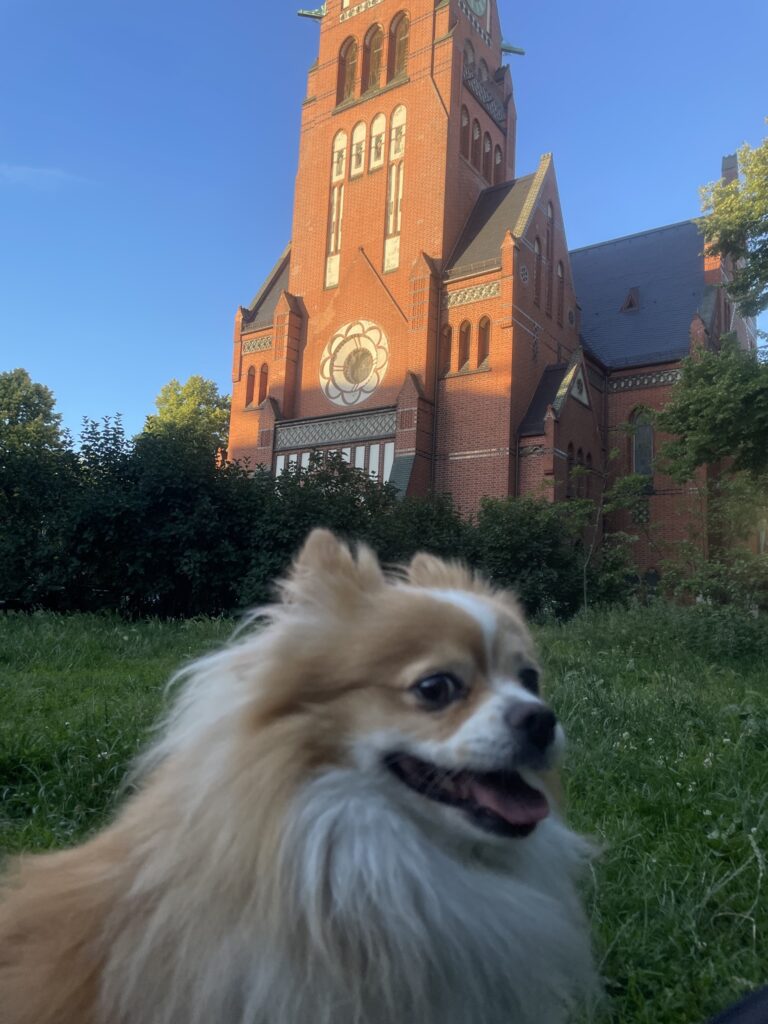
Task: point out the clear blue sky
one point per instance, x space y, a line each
147 153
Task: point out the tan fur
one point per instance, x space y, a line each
63 914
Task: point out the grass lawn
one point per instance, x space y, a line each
667 713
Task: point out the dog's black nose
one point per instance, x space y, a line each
535 724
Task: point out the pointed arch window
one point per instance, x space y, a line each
465 132
465 340
446 345
469 57
347 71
477 142
560 291
537 272
263 382
642 443
483 341
250 386
498 168
483 72
372 59
357 155
378 136
487 158
399 34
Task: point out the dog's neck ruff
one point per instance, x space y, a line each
405 930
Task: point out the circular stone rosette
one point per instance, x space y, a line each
354 362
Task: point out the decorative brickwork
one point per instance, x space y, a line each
654 379
358 9
257 345
477 293
337 430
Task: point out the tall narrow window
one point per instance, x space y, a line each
642 443
335 209
465 132
549 257
560 292
469 58
250 385
394 215
347 71
482 71
372 59
537 272
483 340
569 472
378 134
357 155
465 339
263 382
477 142
487 158
498 166
398 46
446 344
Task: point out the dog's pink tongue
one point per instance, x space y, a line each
518 803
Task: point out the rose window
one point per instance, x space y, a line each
354 363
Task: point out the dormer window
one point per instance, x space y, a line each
632 301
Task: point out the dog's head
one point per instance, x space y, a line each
426 682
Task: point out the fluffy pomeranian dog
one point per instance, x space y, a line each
349 818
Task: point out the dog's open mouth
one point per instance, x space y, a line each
499 802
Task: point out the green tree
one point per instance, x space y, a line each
736 225
195 409
718 411
27 416
37 477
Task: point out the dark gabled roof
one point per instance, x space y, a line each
261 311
496 211
544 396
665 267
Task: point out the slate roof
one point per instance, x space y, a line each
496 211
544 396
666 266
261 312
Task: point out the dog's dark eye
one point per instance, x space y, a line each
529 677
438 691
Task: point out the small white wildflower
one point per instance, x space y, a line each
726 739
753 830
679 785
650 740
691 786
707 762
625 735
707 813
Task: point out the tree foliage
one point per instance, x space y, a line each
27 416
718 411
194 409
736 225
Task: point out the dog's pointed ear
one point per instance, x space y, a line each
429 571
325 567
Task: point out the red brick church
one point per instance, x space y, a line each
428 320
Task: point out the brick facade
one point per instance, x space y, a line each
349 333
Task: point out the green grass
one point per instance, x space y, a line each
667 714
